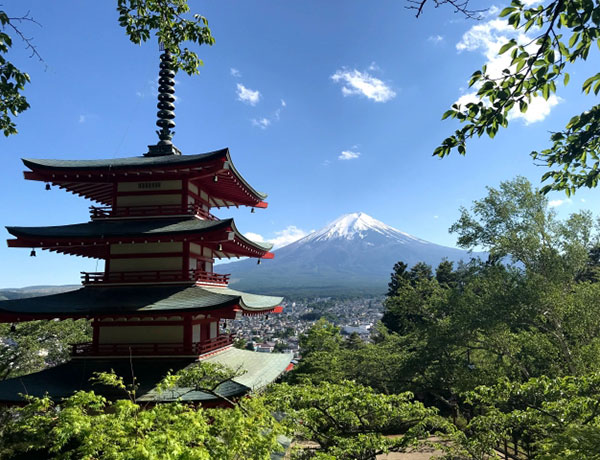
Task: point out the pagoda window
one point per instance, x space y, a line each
196 335
214 329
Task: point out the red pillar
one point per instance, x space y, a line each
187 333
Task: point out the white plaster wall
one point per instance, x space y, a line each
149 263
141 334
148 200
145 248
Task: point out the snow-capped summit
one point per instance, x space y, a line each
357 225
354 253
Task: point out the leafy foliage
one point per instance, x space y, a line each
166 18
12 81
89 426
514 221
31 346
349 421
544 418
566 32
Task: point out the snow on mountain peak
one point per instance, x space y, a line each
356 225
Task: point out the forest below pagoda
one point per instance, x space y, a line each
498 357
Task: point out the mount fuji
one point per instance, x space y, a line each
354 254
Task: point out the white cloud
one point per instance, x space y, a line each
261 123
557 203
287 235
348 155
538 109
82 118
488 37
355 82
235 72
326 163
254 237
247 95
264 122
436 39
583 200
282 238
436 217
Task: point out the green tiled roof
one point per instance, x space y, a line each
63 380
132 163
132 228
90 301
116 228
123 163
259 370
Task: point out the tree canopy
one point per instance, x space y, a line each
563 33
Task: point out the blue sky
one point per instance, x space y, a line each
330 107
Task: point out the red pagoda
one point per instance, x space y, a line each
158 302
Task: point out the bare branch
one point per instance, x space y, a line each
27 40
460 6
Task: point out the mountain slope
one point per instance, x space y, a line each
353 254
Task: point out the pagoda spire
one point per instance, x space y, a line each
166 107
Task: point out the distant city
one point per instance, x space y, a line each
281 332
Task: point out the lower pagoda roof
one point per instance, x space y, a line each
65 379
88 239
95 301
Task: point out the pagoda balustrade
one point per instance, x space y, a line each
151 349
107 212
155 276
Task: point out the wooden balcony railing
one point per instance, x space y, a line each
155 276
105 212
151 349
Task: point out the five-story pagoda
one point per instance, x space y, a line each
158 303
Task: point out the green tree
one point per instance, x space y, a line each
349 421
514 221
544 418
322 358
30 346
445 274
168 20
89 426
564 32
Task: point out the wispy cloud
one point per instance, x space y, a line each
348 155
357 83
247 95
235 72
265 122
262 123
435 39
282 238
82 118
488 37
